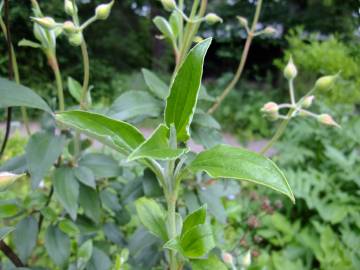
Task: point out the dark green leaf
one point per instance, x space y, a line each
99 260
157 147
195 218
15 165
213 198
208 137
156 86
152 216
16 95
132 104
225 161
68 227
42 150
181 103
25 236
113 133
197 241
57 245
4 231
102 166
151 184
85 176
89 200
66 189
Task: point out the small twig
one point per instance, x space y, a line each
10 254
41 218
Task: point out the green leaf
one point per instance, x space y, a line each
4 231
66 189
210 263
181 103
101 165
152 216
163 25
25 236
8 209
68 227
157 147
28 43
113 133
75 89
85 176
42 150
175 21
206 120
133 104
197 241
99 260
84 254
156 86
195 218
225 161
7 179
16 95
57 245
89 200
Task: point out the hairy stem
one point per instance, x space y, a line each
242 63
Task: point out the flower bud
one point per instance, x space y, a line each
6 179
290 71
198 39
69 7
212 18
76 39
46 22
227 258
325 82
69 27
102 11
269 30
243 21
246 260
307 102
169 5
270 107
327 119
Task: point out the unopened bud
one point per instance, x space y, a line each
270 107
69 7
46 22
307 102
198 39
69 27
325 82
212 18
169 5
269 30
102 12
290 71
6 179
327 119
227 258
246 260
76 39
243 21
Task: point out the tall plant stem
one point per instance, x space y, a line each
59 85
242 63
171 201
86 64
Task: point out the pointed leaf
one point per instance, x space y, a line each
16 95
208 264
156 86
66 189
225 161
152 216
197 241
113 133
157 146
28 43
163 25
195 218
181 103
25 236
89 200
85 176
57 245
133 104
84 254
75 89
42 150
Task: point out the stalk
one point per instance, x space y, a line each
53 63
242 63
85 88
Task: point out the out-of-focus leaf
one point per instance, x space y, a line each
89 200
156 86
84 254
197 241
25 236
102 166
4 231
57 245
163 25
85 176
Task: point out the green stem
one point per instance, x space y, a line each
242 63
53 63
172 228
86 63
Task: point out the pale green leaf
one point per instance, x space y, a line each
155 84
225 161
84 254
28 43
157 147
195 218
175 21
198 241
163 25
181 103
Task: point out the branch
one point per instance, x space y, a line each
10 254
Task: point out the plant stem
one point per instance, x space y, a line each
292 92
242 63
172 227
53 63
85 55
10 254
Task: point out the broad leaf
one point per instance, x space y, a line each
156 86
16 95
42 150
197 241
7 179
157 147
85 176
57 245
195 218
25 236
205 120
163 25
4 231
101 165
68 227
66 189
225 161
152 216
89 200
114 133
99 260
133 104
181 103
208 264
84 254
